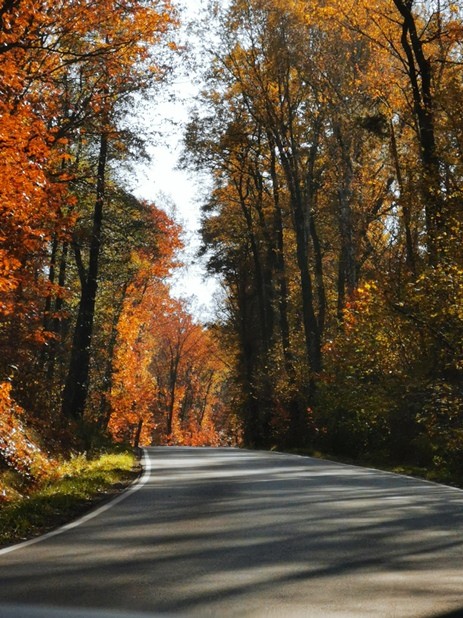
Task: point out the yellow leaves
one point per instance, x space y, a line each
368 288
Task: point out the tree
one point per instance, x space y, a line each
168 373
114 76
68 72
288 120
333 137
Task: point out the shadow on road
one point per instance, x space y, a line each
219 529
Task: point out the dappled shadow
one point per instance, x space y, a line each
229 532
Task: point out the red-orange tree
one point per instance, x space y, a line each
67 70
169 375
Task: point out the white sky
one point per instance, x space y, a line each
179 191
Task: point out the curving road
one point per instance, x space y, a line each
225 532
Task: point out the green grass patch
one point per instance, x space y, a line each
69 490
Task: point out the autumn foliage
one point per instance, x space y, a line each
333 132
83 263
168 373
18 449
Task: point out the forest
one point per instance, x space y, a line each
93 344
332 132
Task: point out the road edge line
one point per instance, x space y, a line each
371 469
146 465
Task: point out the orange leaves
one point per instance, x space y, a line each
46 47
25 215
17 449
66 69
134 388
8 281
167 370
117 36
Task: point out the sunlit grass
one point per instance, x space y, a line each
71 488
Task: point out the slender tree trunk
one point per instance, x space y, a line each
420 75
255 412
172 388
136 440
105 409
310 323
204 402
280 266
318 269
347 270
59 325
297 434
263 303
77 382
301 226
406 212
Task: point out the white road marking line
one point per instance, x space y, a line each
105 507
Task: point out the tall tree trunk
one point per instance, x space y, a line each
107 382
173 375
265 309
406 212
312 194
255 411
311 327
261 322
420 75
77 382
347 270
280 266
136 440
59 326
205 399
301 227
297 433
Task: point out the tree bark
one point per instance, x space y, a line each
280 266
77 381
420 75
347 270
406 212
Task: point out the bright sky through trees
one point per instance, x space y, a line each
178 191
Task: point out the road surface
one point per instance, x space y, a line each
227 532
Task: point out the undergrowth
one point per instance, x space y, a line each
70 488
436 474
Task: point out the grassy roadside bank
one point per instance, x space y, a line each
72 488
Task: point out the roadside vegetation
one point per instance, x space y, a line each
434 473
32 506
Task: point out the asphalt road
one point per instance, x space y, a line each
225 532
